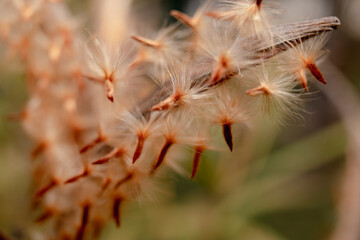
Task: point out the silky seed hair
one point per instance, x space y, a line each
274 93
109 114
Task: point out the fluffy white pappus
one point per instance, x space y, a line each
311 49
172 127
108 63
138 130
304 57
167 45
173 132
275 94
227 106
199 136
198 23
135 122
251 17
108 60
185 89
222 52
135 180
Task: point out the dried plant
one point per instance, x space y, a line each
106 114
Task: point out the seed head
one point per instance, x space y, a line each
303 58
275 94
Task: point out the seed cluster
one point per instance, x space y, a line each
106 115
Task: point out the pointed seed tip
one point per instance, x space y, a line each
100 161
228 135
196 160
315 71
116 211
139 148
162 154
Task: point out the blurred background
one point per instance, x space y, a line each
295 182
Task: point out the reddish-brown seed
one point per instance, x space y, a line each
161 106
45 189
106 184
93 143
258 91
111 98
162 154
76 131
127 178
219 71
141 58
85 173
198 151
84 222
228 135
215 15
258 3
109 88
43 217
303 79
220 15
216 76
185 19
139 147
147 42
224 61
170 102
39 149
316 72
116 152
101 161
116 210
